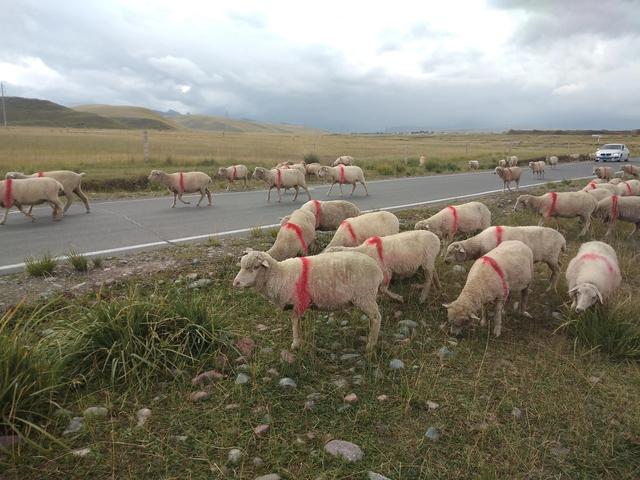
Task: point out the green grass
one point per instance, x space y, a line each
256 232
40 267
78 261
97 262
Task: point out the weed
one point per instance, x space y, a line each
40 267
256 232
97 262
78 261
311 158
213 242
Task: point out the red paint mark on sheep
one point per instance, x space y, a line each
614 208
318 211
493 264
592 185
377 241
278 178
626 184
341 174
8 193
303 297
40 174
554 203
499 232
594 256
234 174
181 182
349 227
298 232
454 213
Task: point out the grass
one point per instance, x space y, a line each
78 261
256 232
137 344
97 262
40 267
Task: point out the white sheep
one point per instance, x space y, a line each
506 269
351 175
599 193
512 161
282 178
183 182
29 192
614 208
574 156
312 169
286 164
295 235
343 160
71 182
328 282
233 173
546 244
329 214
537 168
606 173
609 187
474 164
455 219
353 231
508 175
628 188
401 256
593 184
422 161
502 163
592 275
552 161
560 204
631 170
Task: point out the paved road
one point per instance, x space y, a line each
125 225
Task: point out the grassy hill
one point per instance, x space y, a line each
129 116
32 112
223 124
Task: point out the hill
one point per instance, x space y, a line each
223 124
32 112
129 116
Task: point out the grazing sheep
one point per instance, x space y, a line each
631 170
451 220
401 255
30 191
507 268
613 189
628 188
615 208
508 175
71 182
552 161
183 182
282 178
474 164
327 281
605 173
328 214
423 160
341 175
233 173
295 236
546 244
599 193
616 180
592 275
537 168
312 169
353 231
502 163
593 184
563 204
343 160
512 161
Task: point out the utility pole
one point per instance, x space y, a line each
145 139
4 112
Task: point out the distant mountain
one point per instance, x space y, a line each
223 124
131 117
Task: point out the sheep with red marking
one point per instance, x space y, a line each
329 214
537 168
282 178
628 188
183 182
605 173
593 275
593 184
560 204
29 192
546 244
343 160
233 173
353 231
502 163
312 169
341 174
71 183
614 208
452 220
505 270
599 193
631 170
295 236
509 175
401 256
327 282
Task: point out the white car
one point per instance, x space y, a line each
616 152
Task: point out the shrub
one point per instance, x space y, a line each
256 232
97 262
78 261
311 158
40 267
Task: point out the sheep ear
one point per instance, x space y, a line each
600 296
265 264
460 248
446 305
474 316
573 291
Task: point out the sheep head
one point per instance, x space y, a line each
155 175
322 171
583 296
14 175
522 202
253 267
259 173
422 225
222 172
458 317
455 253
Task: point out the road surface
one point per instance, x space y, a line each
127 225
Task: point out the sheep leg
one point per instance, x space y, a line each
366 190
228 185
279 194
183 201
637 225
208 195
587 224
78 191
68 202
483 318
269 195
341 191
295 197
384 289
245 182
295 327
555 272
58 212
175 196
353 189
371 310
330 189
518 184
27 214
307 190
428 277
6 214
497 318
201 198
524 296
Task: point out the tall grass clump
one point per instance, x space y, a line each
40 267
311 158
78 261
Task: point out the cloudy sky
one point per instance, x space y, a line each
340 65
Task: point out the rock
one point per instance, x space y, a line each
246 345
257 462
261 327
74 425
376 476
559 451
340 383
287 357
351 398
81 452
408 323
95 412
357 379
309 405
347 357
344 323
315 396
287 382
516 412
397 314
273 372
260 429
192 276
432 405
232 406
206 377
396 364
444 353
556 315
593 380
180 438
266 351
242 379
235 455
203 282
458 269
199 396
346 450
382 398
432 434
143 415
270 476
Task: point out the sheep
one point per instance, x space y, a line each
512 161
599 193
327 281
502 163
563 204
627 188
233 173
552 161
183 182
537 168
31 191
592 275
474 164
341 175
546 244
574 156
328 214
507 268
286 164
282 178
401 255
451 220
606 173
353 231
613 189
508 175
617 208
312 169
592 185
295 235
343 160
422 161
71 182
631 170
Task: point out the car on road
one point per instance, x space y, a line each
616 152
